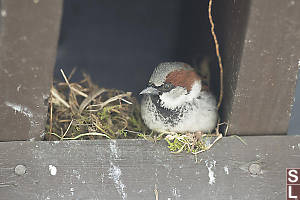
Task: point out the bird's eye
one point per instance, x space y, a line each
166 87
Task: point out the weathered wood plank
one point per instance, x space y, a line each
131 169
29 32
261 60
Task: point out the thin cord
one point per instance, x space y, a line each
217 51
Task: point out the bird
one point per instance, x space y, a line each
177 100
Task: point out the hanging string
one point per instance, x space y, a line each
217 51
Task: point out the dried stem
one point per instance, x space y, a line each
156 192
72 88
62 137
55 94
90 98
51 113
217 51
120 96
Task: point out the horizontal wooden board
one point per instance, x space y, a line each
132 169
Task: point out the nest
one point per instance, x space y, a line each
84 111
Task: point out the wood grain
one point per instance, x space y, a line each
132 169
261 48
29 33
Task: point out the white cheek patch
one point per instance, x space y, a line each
174 98
196 90
179 96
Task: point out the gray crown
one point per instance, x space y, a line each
163 69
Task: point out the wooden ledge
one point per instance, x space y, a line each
132 169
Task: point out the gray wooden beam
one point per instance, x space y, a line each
132 169
261 61
29 31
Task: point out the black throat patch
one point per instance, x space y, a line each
171 117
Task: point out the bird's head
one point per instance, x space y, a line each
175 83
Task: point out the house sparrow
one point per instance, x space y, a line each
176 100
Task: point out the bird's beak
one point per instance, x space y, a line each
150 90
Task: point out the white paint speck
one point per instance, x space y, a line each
176 193
141 191
291 3
226 170
3 13
115 171
77 174
24 37
72 191
115 174
34 119
19 87
299 146
45 96
42 134
102 177
23 60
114 149
211 175
19 108
293 147
52 170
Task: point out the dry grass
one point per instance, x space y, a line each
194 143
84 111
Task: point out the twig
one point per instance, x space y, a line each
64 120
226 130
90 98
209 146
81 135
127 101
65 77
88 80
57 96
66 130
72 73
51 112
129 131
238 137
101 105
72 88
181 149
217 51
156 192
78 92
